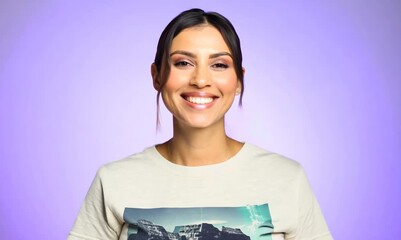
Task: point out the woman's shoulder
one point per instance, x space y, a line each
137 161
259 156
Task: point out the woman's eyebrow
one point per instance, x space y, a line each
216 55
192 55
186 53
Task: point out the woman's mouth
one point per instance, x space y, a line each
199 100
199 97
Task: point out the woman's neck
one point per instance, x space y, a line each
199 146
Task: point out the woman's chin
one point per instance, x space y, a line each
199 123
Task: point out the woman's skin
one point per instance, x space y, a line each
199 91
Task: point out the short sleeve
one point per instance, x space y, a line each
95 221
311 224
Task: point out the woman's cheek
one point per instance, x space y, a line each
178 78
228 83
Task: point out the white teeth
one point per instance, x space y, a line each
199 100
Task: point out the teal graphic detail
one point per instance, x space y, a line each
217 223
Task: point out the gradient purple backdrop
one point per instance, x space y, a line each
323 86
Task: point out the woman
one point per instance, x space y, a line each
201 184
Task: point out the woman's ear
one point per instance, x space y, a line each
239 85
238 89
155 77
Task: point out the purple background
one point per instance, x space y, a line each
323 86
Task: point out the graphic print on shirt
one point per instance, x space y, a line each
217 223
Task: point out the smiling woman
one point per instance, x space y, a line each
200 184
202 82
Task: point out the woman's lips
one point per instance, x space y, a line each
199 99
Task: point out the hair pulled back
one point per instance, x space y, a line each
191 18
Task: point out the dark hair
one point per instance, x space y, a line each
191 18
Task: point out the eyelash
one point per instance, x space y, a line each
187 64
182 64
220 65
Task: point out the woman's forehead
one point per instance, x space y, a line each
200 37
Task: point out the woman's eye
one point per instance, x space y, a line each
182 64
220 66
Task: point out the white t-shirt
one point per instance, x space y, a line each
254 195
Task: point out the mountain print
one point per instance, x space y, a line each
214 223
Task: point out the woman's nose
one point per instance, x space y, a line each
201 77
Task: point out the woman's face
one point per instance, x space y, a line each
202 83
